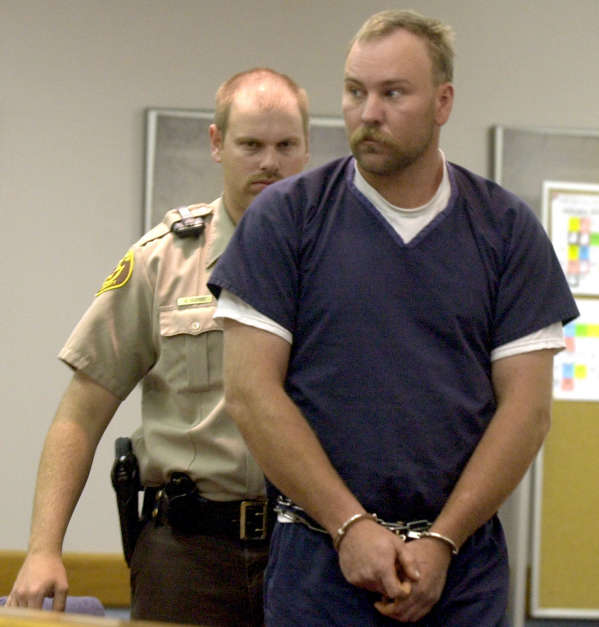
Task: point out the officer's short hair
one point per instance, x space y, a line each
226 94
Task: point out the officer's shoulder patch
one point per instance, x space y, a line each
120 275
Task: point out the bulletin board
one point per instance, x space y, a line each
556 171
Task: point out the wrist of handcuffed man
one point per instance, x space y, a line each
352 520
410 534
441 538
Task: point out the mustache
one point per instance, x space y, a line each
366 132
265 177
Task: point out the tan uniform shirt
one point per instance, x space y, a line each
152 321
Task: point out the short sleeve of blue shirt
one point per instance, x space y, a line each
531 291
262 265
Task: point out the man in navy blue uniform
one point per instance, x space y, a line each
390 325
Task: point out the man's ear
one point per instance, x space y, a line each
444 103
216 142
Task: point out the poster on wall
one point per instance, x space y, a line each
571 212
576 369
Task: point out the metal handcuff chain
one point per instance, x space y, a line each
413 530
294 517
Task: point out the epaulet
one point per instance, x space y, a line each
182 222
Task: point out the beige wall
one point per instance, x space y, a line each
75 77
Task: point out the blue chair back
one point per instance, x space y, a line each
74 605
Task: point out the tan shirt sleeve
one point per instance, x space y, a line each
112 343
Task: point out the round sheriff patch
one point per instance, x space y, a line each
120 275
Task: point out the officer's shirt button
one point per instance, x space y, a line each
195 326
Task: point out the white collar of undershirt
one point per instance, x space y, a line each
407 222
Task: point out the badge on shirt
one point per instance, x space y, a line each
120 275
204 299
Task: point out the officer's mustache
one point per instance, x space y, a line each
265 177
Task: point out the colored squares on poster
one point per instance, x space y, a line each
569 336
573 267
570 330
573 253
580 240
571 372
567 377
577 371
572 215
579 329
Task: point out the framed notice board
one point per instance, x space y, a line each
556 172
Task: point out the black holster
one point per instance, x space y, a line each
126 483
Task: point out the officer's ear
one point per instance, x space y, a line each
216 142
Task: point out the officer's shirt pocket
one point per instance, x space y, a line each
191 345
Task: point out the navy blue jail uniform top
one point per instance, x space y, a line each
390 361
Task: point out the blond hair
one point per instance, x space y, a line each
439 37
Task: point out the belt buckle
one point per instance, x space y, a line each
253 520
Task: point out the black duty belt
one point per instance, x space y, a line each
245 520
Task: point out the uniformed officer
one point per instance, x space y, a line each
202 548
